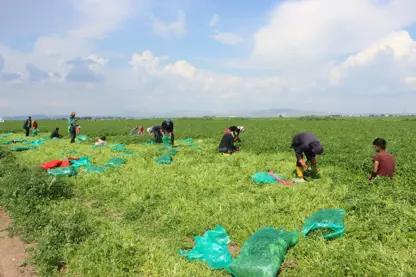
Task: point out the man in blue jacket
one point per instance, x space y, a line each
27 125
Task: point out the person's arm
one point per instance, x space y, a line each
375 169
299 151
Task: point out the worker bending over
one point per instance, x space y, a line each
306 144
167 128
156 132
227 143
236 132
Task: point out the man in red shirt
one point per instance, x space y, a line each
384 164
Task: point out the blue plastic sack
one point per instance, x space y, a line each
332 219
211 248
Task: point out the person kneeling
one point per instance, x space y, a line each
101 141
55 134
227 143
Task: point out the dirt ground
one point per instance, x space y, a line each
12 252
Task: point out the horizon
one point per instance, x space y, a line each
138 57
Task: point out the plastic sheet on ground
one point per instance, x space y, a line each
13 141
51 164
83 161
35 142
95 169
172 152
68 171
115 162
332 219
211 248
127 153
118 148
164 159
263 253
98 146
23 148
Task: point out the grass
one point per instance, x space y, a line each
131 221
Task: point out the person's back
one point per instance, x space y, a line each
386 164
227 144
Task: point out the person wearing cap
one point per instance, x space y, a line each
72 126
306 144
157 133
167 128
236 132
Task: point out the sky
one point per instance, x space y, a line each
105 57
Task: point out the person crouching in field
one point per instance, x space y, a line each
236 132
100 141
306 144
167 128
227 143
140 133
156 132
55 134
134 130
384 164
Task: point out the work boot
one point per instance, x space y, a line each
299 172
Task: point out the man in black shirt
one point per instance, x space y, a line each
157 133
55 134
27 125
308 144
236 132
227 143
167 128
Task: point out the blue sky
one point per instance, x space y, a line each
124 57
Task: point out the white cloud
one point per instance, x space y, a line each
167 29
214 20
312 32
410 80
397 49
227 38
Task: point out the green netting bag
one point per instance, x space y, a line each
115 162
83 161
263 253
13 141
98 146
211 248
118 147
95 169
167 140
34 132
81 137
6 135
164 159
7 142
188 140
23 148
263 178
332 219
127 153
35 142
68 171
172 152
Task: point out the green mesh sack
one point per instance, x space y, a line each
164 159
7 142
35 142
263 253
6 135
167 140
332 219
81 137
23 148
263 178
115 162
83 161
34 132
118 148
184 141
172 152
98 146
68 171
211 248
127 153
95 169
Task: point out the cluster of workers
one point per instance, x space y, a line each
304 144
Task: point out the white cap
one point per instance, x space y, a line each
149 129
241 128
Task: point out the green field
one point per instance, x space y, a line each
132 221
